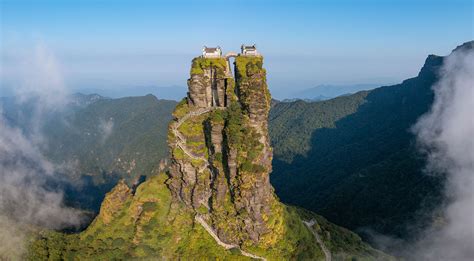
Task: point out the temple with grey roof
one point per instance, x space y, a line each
211 52
249 50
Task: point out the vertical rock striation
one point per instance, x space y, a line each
221 155
207 83
219 203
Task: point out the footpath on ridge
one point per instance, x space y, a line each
209 230
181 143
326 251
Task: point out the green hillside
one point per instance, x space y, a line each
108 140
93 135
215 202
126 136
353 159
96 141
148 224
356 152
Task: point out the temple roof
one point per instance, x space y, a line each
249 47
211 49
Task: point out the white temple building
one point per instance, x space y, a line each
249 50
211 52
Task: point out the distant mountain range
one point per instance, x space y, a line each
354 159
324 151
215 202
351 159
168 92
315 99
176 93
105 139
328 91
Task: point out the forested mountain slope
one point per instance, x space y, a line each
95 141
109 140
216 200
126 135
353 159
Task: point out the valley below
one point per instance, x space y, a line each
226 173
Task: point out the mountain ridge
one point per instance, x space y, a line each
354 159
329 91
216 200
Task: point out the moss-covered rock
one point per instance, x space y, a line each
208 82
216 202
152 225
149 225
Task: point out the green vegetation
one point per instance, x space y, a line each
218 116
162 228
290 141
234 124
193 130
150 224
353 159
250 79
103 141
341 242
243 138
287 237
126 136
200 63
181 109
230 91
193 127
248 166
247 66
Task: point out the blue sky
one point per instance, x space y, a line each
121 44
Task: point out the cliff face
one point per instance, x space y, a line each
208 82
221 156
216 201
114 201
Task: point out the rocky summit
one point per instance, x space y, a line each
221 156
215 201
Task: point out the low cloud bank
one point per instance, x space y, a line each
446 136
25 199
105 129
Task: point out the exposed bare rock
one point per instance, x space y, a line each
207 84
221 156
114 201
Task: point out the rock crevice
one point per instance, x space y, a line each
221 155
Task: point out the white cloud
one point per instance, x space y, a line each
446 134
106 128
24 196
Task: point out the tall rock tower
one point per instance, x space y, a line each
221 154
216 203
